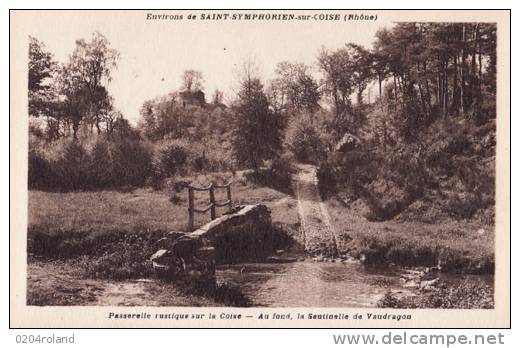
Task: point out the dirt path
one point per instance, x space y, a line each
57 284
318 234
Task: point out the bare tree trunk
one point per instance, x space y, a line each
474 63
479 67
439 87
385 136
395 92
379 80
360 96
428 91
455 91
423 101
445 90
463 70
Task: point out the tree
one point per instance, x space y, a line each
295 89
192 81
338 85
162 117
42 68
256 127
360 65
41 65
83 80
380 69
101 109
148 121
111 118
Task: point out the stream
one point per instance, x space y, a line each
320 284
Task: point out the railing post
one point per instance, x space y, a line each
191 211
230 205
212 202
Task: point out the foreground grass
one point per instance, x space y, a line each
457 246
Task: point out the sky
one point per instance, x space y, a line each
154 53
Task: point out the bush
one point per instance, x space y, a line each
126 258
212 155
463 206
41 174
70 165
449 166
170 158
100 165
327 180
350 171
277 175
281 172
132 162
304 140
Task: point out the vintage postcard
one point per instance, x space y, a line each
260 168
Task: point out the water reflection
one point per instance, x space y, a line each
311 284
321 284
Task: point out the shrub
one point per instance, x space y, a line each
304 141
386 199
72 167
281 171
41 175
327 180
277 175
213 155
101 165
350 170
388 182
69 165
463 206
170 158
126 258
131 162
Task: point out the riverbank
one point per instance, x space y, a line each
451 246
464 295
62 283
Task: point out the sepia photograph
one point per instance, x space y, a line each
261 159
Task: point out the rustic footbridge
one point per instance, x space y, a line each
242 233
212 206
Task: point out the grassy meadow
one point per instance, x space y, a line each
76 223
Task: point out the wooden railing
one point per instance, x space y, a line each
212 206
